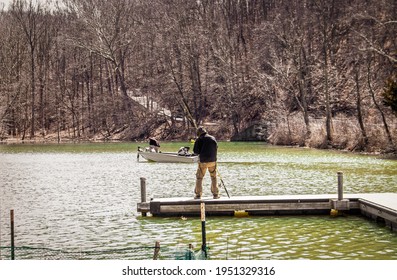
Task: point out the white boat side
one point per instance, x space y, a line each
167 157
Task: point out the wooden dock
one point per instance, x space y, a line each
381 207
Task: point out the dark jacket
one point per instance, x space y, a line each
206 147
154 142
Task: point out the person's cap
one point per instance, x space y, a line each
201 130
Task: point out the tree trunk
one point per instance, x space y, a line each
385 125
359 107
303 86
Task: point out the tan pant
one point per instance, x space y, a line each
202 168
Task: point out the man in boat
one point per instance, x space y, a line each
154 145
206 147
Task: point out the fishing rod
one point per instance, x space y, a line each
220 177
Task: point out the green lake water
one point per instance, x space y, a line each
82 197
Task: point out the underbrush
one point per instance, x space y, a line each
346 134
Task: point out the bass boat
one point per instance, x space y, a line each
182 156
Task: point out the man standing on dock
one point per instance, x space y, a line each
206 147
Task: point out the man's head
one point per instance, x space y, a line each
200 131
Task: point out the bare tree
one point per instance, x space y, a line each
107 30
28 15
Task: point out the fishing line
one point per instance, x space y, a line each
223 183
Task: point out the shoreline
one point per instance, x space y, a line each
51 141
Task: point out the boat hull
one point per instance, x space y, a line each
167 157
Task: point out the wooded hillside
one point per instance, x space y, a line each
315 72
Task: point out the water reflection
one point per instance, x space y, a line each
84 197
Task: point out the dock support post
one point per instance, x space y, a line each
156 250
340 203
203 233
12 235
143 192
340 185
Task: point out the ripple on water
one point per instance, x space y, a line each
87 200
